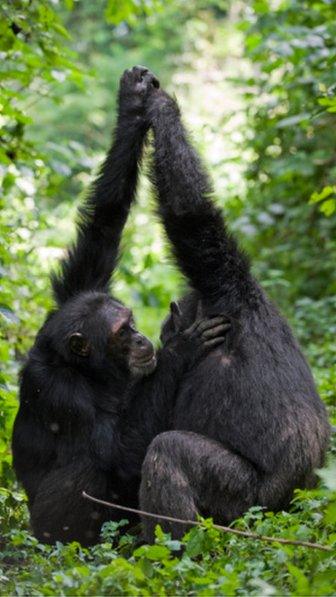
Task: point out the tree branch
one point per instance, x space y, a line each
196 523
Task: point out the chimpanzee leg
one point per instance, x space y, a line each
185 473
60 513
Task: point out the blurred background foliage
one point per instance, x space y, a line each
256 82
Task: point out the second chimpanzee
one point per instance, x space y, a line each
93 385
248 426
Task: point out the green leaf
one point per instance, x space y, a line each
302 583
326 192
152 552
328 207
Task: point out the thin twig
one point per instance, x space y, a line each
196 523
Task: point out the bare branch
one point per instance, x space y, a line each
196 523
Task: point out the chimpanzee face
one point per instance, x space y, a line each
97 331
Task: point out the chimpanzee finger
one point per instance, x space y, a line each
214 342
216 331
206 324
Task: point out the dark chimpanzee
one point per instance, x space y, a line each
92 395
248 425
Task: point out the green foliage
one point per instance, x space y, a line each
57 97
291 97
326 198
34 61
128 10
212 562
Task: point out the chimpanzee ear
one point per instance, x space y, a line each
79 345
176 315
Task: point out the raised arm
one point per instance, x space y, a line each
91 261
205 251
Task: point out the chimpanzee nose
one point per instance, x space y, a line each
143 345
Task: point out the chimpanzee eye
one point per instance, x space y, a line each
122 332
79 345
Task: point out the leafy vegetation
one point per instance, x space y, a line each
258 89
291 93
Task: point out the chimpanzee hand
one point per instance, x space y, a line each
201 337
136 84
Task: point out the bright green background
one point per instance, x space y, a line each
256 82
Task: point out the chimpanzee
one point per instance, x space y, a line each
248 425
93 393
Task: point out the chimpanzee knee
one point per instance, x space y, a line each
185 474
165 487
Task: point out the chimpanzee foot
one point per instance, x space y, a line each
136 84
144 79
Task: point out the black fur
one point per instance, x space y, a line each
248 426
90 399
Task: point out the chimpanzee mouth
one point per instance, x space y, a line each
142 366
